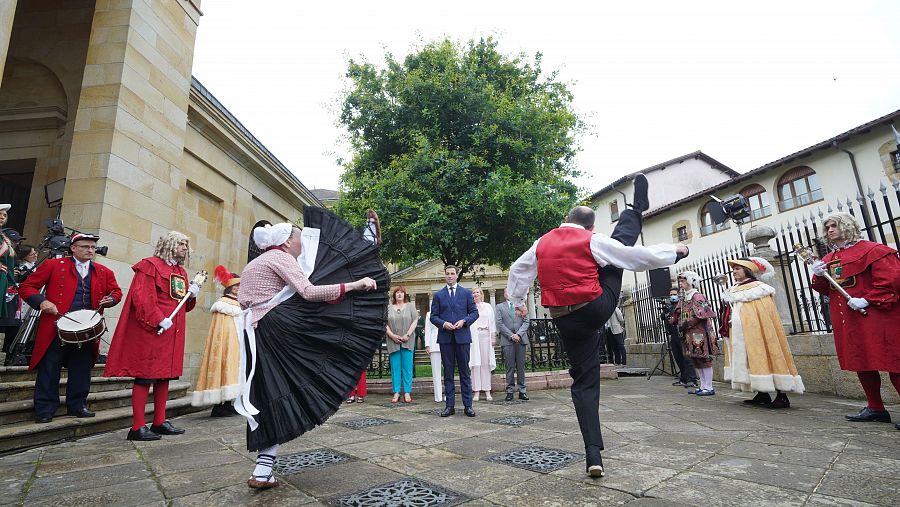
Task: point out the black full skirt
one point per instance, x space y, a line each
309 355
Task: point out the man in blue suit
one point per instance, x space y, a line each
453 310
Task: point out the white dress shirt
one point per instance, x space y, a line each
605 251
82 267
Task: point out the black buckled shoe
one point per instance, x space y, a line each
470 412
509 397
869 415
523 396
81 414
447 412
760 399
142 434
166 428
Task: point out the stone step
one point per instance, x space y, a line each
12 412
21 373
24 390
24 435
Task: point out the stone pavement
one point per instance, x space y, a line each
663 447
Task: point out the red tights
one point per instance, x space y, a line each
871 384
139 395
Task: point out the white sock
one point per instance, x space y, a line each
706 378
265 461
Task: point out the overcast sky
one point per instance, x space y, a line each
747 84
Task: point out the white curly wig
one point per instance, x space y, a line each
692 278
846 224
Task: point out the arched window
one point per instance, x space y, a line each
707 224
253 251
798 187
758 199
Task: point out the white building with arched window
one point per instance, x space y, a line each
795 186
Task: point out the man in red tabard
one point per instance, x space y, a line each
870 343
72 283
581 277
160 283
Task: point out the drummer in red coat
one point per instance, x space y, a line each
73 283
867 344
159 284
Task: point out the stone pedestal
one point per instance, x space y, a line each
760 236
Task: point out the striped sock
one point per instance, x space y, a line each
265 461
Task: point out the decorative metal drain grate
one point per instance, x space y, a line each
368 422
515 420
537 459
319 458
405 492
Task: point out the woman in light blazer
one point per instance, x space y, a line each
401 326
434 353
482 359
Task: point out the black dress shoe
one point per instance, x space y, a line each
166 428
759 399
43 420
470 412
523 396
780 401
869 415
447 412
639 201
81 414
142 434
509 397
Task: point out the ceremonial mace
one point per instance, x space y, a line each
805 253
199 279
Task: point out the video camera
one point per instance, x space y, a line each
58 243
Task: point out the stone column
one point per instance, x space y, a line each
7 15
759 236
123 178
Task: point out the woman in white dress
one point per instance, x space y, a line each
434 353
482 359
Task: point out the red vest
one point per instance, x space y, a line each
567 270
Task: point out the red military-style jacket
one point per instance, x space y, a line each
136 350
61 279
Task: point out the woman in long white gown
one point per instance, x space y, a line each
482 359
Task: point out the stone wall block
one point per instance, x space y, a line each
127 223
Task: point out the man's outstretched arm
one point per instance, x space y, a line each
608 251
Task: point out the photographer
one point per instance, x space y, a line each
687 376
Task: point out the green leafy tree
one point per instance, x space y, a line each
465 153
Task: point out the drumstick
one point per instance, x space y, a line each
64 316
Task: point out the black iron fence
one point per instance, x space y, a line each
808 309
545 352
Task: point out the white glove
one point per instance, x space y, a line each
166 323
727 297
194 289
818 267
10 296
857 303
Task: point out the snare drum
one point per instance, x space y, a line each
80 326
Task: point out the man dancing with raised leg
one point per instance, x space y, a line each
580 273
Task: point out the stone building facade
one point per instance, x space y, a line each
100 114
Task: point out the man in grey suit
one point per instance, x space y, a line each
513 339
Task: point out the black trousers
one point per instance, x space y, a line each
615 347
78 361
581 337
455 355
687 373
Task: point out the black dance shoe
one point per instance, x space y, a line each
447 412
780 401
509 397
639 201
40 419
81 414
470 412
869 415
142 434
593 462
523 396
166 428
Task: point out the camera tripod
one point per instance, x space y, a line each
664 352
